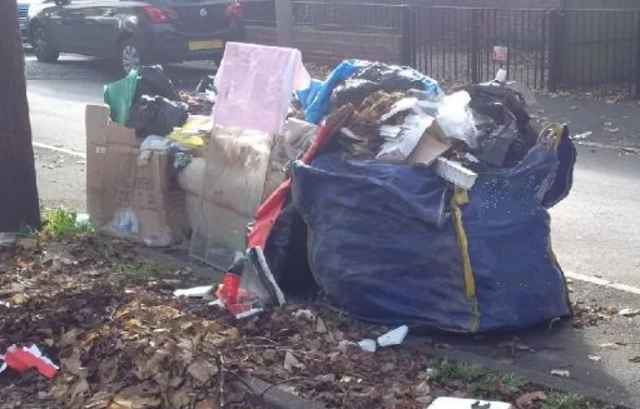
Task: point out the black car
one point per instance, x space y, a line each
135 32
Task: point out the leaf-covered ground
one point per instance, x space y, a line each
108 317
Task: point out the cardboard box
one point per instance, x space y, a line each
131 193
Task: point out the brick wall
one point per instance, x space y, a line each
324 46
496 4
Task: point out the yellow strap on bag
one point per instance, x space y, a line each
552 131
556 130
460 198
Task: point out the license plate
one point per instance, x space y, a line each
23 25
205 45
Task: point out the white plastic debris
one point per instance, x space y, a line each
218 303
456 119
628 312
368 345
561 373
582 135
204 292
155 143
459 403
394 337
405 104
455 173
501 75
304 313
248 314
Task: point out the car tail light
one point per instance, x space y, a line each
234 10
159 16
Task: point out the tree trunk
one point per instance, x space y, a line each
19 205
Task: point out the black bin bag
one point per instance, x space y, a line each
506 134
157 116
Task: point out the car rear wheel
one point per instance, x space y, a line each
130 58
42 47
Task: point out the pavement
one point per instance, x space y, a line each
595 121
595 231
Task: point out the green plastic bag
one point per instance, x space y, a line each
119 97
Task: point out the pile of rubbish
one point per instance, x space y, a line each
416 207
400 203
164 120
482 125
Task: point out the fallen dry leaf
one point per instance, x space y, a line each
442 346
628 312
328 378
321 328
291 362
28 244
108 371
73 365
121 402
78 389
179 399
611 345
562 373
99 401
529 399
307 314
233 334
202 371
19 299
422 389
150 368
208 404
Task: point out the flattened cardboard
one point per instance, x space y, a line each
237 164
129 192
432 145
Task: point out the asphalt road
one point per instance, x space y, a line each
595 231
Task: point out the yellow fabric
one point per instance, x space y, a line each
557 131
460 198
191 135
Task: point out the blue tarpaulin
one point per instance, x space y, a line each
316 100
385 246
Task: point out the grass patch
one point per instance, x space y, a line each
447 372
558 400
147 270
60 223
479 381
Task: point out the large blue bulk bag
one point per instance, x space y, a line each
394 244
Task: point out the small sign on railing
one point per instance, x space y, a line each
500 53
